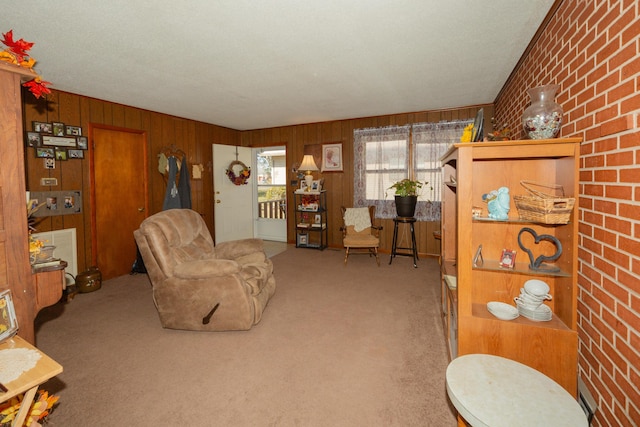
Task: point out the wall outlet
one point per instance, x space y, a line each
48 182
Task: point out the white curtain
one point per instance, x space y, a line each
381 157
430 142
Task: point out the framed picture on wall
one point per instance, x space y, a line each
33 139
60 153
332 157
73 130
42 127
44 152
82 142
58 129
75 154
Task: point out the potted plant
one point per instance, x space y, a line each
406 195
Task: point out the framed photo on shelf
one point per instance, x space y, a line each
315 186
8 320
508 258
332 157
303 239
317 219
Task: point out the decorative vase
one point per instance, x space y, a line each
543 118
406 206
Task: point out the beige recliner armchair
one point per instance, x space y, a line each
197 286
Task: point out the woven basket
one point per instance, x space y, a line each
542 207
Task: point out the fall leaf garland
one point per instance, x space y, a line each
17 53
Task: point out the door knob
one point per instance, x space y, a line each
218 201
140 209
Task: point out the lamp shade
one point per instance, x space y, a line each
308 164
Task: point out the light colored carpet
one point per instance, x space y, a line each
337 346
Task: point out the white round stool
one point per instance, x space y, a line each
492 391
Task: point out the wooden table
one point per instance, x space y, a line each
492 391
30 380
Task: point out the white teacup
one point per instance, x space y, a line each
526 294
536 287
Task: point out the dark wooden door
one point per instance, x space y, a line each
119 197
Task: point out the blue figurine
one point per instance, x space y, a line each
498 202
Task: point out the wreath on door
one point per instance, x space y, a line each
241 177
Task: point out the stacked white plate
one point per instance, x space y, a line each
540 314
502 310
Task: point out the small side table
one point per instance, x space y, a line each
492 391
394 246
30 380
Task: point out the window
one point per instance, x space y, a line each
383 156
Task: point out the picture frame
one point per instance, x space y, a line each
315 186
332 157
8 319
45 152
82 142
75 154
477 135
508 259
49 163
42 127
303 185
303 239
73 130
60 153
33 139
58 129
317 219
59 141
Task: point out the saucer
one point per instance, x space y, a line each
540 314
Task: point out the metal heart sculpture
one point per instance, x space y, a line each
536 264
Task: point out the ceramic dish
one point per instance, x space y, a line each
540 314
502 311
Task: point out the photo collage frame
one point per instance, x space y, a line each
57 141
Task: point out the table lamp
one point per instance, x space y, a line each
308 165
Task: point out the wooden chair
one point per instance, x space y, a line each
367 239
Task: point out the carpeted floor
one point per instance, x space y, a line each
337 346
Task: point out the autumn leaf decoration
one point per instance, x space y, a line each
17 52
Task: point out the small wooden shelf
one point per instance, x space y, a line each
480 311
520 268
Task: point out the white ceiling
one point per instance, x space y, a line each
251 64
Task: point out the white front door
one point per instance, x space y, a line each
270 164
233 204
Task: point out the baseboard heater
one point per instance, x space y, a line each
66 248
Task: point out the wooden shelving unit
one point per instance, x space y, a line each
311 219
469 171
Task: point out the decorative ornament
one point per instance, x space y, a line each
242 178
17 52
536 264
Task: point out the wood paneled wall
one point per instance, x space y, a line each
339 186
195 139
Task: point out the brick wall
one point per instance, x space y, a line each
592 50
